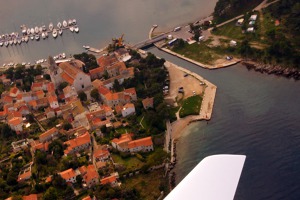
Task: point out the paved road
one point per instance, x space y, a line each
262 5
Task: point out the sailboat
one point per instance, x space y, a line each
76 28
51 26
60 31
65 23
54 33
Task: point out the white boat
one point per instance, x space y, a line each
11 42
71 28
32 30
4 65
1 43
24 30
76 29
59 25
15 41
28 31
60 31
65 23
44 28
70 22
37 37
74 22
32 37
54 33
63 55
51 26
19 41
26 38
43 35
40 29
86 47
23 39
23 63
6 43
36 29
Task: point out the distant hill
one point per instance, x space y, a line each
226 9
288 12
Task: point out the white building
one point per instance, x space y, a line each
143 144
128 109
69 72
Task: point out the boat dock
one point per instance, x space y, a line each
37 33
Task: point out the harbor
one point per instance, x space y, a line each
38 32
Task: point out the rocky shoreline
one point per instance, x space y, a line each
273 69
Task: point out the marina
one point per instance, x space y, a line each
38 32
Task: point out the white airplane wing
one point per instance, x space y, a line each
214 178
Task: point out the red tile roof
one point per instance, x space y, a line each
90 174
36 85
15 121
71 70
24 176
96 71
128 105
14 91
68 174
148 102
31 197
125 138
98 153
67 78
48 133
130 91
52 99
140 142
108 180
103 90
51 87
87 198
39 93
81 140
105 61
7 99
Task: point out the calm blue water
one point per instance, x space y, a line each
256 115
99 21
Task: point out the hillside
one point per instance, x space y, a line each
226 9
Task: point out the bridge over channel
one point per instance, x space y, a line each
149 42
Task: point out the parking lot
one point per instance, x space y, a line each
179 79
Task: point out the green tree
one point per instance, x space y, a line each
63 85
50 194
95 94
57 149
67 126
117 87
82 96
79 179
47 77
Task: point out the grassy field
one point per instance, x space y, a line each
199 52
148 185
191 106
230 30
131 163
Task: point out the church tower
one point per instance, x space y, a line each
54 72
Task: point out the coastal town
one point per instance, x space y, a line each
74 131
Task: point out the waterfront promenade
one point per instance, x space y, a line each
207 102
